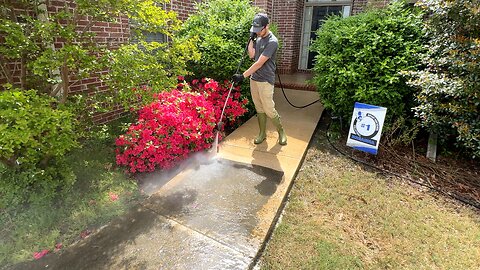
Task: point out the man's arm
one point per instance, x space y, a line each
251 49
256 66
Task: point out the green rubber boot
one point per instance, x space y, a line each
282 137
262 124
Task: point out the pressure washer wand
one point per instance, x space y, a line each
220 123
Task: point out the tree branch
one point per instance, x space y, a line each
56 90
65 81
23 72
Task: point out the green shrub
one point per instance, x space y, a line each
449 100
30 184
360 59
223 28
33 140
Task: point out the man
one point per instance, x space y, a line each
262 50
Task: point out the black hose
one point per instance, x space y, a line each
453 196
295 106
243 55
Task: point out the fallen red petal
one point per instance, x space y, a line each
58 247
38 255
85 234
113 196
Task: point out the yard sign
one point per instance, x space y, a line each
366 127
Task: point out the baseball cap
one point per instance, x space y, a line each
259 22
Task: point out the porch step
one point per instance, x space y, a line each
296 86
296 81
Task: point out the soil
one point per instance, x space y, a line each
453 176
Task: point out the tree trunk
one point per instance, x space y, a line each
65 82
43 16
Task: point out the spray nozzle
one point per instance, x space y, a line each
219 126
253 35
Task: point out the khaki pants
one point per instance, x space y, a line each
262 95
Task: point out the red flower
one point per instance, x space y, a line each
85 234
58 247
38 255
175 125
113 196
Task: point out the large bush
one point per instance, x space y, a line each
360 59
176 125
222 27
449 100
34 137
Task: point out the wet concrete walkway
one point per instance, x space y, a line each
216 214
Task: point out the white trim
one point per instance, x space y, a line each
346 11
329 3
303 54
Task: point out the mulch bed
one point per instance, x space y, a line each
458 178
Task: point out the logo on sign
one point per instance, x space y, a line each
365 126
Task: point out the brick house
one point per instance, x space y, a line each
296 20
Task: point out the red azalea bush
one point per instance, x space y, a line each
216 93
177 124
167 131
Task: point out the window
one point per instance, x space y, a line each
315 13
135 31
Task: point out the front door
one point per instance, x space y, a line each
314 16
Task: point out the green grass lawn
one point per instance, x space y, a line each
101 193
341 216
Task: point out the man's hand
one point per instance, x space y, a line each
238 78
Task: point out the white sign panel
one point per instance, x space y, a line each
366 127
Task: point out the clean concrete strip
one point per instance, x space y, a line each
299 125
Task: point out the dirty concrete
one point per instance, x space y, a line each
204 222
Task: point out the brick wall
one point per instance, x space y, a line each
12 68
288 15
266 6
111 34
183 8
358 6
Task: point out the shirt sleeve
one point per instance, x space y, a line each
270 49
